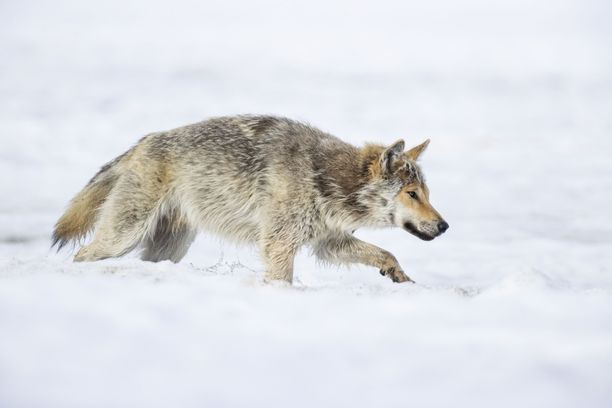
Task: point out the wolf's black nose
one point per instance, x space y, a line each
442 226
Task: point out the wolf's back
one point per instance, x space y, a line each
80 217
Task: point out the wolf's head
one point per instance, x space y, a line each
403 192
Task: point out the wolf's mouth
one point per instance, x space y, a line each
408 226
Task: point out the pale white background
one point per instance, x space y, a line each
513 306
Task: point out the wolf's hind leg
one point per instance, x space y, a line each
345 248
171 239
125 219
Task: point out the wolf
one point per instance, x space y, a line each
279 183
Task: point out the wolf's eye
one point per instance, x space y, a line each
412 194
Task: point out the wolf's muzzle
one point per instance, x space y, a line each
408 226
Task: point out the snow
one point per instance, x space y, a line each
512 306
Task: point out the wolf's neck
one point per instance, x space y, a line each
348 173
343 170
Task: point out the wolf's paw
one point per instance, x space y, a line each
396 274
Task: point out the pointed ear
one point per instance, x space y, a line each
390 155
415 152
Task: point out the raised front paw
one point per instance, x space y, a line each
396 274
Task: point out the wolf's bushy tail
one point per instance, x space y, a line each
80 217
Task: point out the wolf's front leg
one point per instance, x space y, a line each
278 256
345 248
279 242
283 229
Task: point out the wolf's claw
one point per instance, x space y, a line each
396 275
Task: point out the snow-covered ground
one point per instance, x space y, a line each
513 306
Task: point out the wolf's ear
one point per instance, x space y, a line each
390 156
415 152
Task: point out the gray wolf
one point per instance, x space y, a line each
272 181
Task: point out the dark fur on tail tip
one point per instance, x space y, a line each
57 241
81 214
